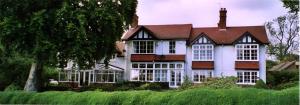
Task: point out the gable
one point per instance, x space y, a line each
202 39
142 34
247 38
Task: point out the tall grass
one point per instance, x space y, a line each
198 96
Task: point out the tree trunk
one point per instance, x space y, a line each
33 82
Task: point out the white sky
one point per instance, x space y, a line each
205 13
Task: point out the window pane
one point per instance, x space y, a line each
164 65
157 65
157 75
134 74
179 66
135 65
149 65
142 65
172 65
149 75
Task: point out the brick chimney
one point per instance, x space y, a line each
222 21
135 21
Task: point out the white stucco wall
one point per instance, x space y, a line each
224 61
262 62
162 47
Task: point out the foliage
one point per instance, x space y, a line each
222 83
13 87
57 31
287 85
283 35
293 5
14 69
261 84
276 78
270 64
187 83
122 86
238 96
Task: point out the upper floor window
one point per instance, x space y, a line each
172 46
143 47
247 52
203 52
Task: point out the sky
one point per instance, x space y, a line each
205 13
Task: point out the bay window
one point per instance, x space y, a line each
203 52
153 72
143 47
247 52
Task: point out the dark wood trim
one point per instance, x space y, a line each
202 35
246 34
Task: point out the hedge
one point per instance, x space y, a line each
197 96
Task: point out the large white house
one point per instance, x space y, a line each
168 53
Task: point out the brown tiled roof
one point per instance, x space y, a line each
202 64
175 31
231 34
246 65
153 57
120 47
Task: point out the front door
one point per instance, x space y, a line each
84 78
175 78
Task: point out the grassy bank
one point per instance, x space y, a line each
238 96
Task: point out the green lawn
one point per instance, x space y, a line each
198 96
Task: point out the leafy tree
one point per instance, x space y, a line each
52 32
293 5
283 35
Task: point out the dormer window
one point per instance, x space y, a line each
203 49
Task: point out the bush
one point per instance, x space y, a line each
260 84
187 83
238 96
150 86
276 78
221 83
286 85
13 87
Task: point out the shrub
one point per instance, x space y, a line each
287 85
221 83
238 96
276 78
187 83
260 84
150 86
13 87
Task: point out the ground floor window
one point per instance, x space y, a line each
68 75
153 72
247 77
106 76
200 76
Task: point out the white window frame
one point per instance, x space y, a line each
206 51
172 47
133 47
243 77
160 69
202 72
250 54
